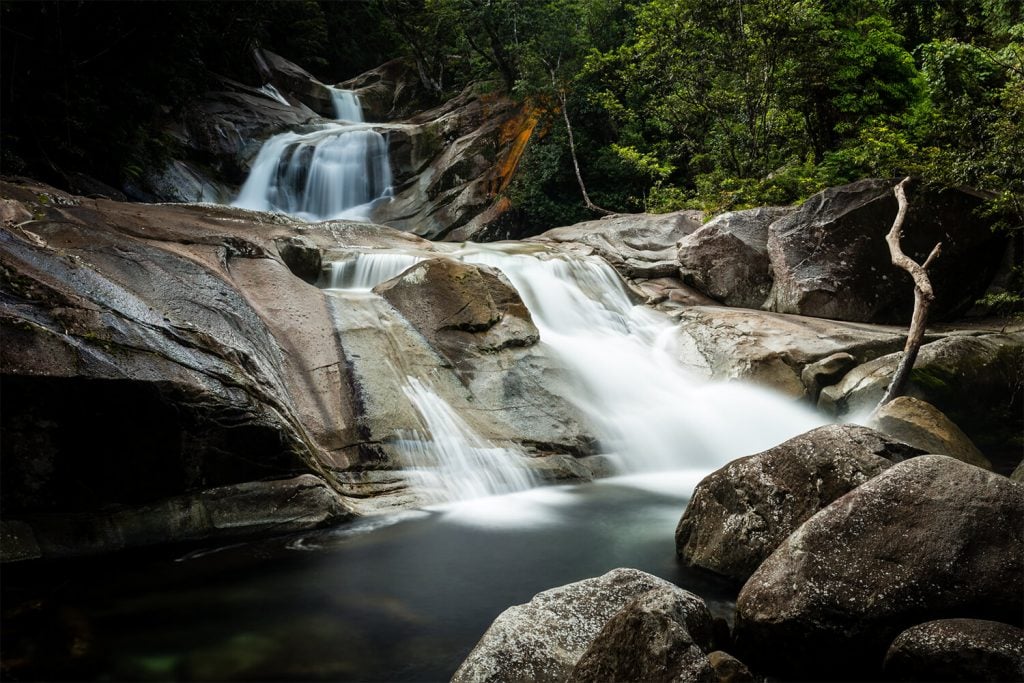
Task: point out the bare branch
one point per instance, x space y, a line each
923 296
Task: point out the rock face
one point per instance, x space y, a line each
774 349
544 639
829 258
930 537
218 136
389 92
923 426
636 245
156 352
727 257
957 650
292 79
226 512
951 374
450 164
662 635
740 513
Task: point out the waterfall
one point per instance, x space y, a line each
649 413
346 105
272 92
642 403
451 461
339 171
365 271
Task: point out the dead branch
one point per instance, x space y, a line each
924 295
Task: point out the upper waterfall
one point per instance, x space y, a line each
346 105
339 170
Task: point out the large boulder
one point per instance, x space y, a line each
965 650
740 513
662 635
951 374
637 245
830 259
544 639
461 308
923 426
929 538
727 257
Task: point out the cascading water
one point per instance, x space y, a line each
339 171
649 413
270 91
367 270
645 407
453 462
346 105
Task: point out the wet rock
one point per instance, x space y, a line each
219 135
301 256
661 635
951 374
636 245
923 426
544 639
957 650
728 669
927 538
727 257
829 258
1018 473
740 513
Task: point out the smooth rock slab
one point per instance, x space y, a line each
928 538
740 513
957 650
637 245
544 639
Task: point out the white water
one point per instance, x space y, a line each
649 413
339 171
645 408
272 92
450 461
367 270
346 105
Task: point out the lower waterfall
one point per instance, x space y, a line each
648 411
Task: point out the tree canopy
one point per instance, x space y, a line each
714 104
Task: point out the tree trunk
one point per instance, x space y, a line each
575 162
923 297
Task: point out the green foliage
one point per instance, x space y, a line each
715 104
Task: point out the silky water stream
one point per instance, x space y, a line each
406 596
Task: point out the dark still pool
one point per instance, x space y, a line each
403 597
